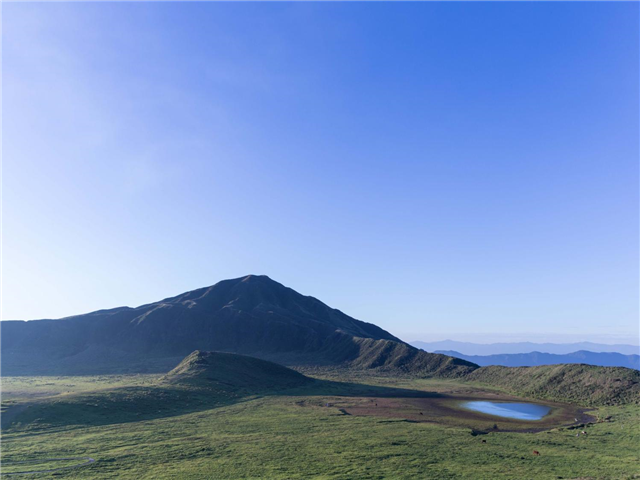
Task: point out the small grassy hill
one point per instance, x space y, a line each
586 385
203 380
238 372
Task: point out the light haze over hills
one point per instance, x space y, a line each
469 348
609 359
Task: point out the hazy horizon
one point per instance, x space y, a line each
488 339
437 169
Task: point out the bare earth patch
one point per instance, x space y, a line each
447 410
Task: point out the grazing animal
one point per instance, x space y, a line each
420 413
536 452
484 441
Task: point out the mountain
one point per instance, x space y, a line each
467 348
258 317
228 370
539 358
252 315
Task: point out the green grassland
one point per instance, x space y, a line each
141 427
575 383
15 388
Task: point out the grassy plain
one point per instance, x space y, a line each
134 428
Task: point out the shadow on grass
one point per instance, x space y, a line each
134 404
351 389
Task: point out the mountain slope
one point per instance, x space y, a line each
580 384
538 358
252 315
389 355
261 318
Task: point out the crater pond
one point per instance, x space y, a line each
519 411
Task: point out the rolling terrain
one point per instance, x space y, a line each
258 317
228 416
578 384
252 315
201 381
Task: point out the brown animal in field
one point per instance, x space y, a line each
536 452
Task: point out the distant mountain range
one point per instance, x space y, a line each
468 348
538 358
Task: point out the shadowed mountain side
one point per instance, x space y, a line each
580 384
253 315
389 355
382 355
259 317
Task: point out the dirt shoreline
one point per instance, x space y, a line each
446 410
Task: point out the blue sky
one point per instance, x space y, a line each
464 170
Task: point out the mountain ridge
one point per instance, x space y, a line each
251 315
470 348
260 318
533 359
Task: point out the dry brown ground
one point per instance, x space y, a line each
446 409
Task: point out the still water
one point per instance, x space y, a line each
520 411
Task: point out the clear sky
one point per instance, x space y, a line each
464 170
